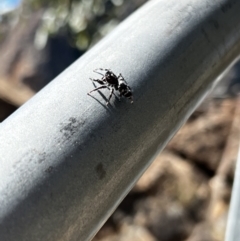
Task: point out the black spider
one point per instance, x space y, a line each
113 82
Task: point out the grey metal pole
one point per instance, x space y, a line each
67 160
233 231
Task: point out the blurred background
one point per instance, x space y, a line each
185 193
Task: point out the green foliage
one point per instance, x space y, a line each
84 21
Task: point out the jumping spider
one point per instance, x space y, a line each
112 82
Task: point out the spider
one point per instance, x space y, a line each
112 82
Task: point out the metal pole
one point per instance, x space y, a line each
67 160
232 231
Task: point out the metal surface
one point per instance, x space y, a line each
67 160
233 224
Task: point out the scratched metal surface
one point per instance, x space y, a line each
67 160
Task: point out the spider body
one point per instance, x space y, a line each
114 83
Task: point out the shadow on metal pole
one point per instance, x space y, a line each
67 160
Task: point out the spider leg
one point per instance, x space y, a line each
96 71
98 88
110 96
131 98
104 69
101 82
